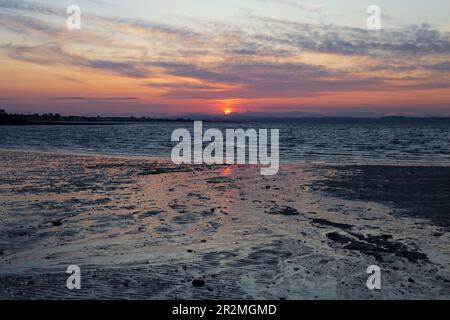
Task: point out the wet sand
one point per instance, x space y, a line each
422 192
145 229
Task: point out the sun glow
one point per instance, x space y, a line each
227 111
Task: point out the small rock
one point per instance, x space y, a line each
57 223
198 283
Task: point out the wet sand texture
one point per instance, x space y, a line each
146 229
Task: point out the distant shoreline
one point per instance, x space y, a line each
12 120
56 119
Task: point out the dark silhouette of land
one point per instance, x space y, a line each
57 119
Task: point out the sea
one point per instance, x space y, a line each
336 142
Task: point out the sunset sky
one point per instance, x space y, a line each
172 57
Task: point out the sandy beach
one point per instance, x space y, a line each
145 229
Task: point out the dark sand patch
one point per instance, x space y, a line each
377 246
324 222
422 192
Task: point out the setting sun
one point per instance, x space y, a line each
227 111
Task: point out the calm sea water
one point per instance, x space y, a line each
333 143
